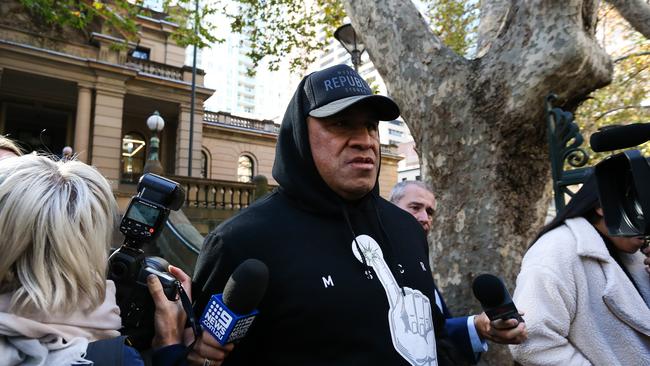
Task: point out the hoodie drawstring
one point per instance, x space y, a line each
354 237
393 250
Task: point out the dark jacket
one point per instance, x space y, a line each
114 352
321 307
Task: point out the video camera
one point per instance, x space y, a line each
128 266
623 179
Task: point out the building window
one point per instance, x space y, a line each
245 169
140 53
205 163
133 157
395 132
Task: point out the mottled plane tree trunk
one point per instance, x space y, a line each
479 124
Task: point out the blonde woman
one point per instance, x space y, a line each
56 222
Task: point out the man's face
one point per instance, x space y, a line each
420 203
345 148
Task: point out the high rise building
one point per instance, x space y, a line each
263 95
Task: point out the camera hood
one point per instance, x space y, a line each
624 190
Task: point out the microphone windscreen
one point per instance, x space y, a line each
620 137
246 286
489 290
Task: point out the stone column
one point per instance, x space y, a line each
82 124
183 141
107 133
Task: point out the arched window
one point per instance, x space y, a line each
245 169
205 163
133 157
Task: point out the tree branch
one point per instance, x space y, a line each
623 58
493 17
636 12
399 36
621 108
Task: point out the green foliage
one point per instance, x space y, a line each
625 100
281 28
194 27
119 16
275 29
455 23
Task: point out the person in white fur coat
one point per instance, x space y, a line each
585 293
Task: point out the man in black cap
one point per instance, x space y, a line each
349 276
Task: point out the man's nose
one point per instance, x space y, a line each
422 217
363 138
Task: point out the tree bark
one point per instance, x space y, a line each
479 126
492 21
636 12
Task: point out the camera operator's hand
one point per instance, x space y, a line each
169 318
206 351
501 331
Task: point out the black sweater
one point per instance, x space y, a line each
321 308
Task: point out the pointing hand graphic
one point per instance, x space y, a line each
409 315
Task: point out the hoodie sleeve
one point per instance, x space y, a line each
215 264
549 304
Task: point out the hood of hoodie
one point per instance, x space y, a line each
294 167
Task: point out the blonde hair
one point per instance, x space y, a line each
56 222
9 145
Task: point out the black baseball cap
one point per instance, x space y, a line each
339 87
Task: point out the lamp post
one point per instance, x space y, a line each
346 35
155 124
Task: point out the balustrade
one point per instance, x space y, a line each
219 194
155 68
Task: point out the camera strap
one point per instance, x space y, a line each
187 306
191 319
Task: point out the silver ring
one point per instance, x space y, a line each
207 362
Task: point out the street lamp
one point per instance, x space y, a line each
346 35
155 124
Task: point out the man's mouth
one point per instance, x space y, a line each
365 163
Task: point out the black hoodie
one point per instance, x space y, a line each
324 305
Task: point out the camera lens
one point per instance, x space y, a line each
632 210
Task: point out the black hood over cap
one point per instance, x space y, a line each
294 167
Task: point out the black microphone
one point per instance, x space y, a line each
495 299
228 316
620 137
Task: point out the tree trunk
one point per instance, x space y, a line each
479 126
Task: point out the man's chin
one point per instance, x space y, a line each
356 192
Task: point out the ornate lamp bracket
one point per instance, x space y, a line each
564 142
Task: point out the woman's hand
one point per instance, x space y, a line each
169 318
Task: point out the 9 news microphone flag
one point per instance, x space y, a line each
228 316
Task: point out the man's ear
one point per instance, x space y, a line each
599 211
